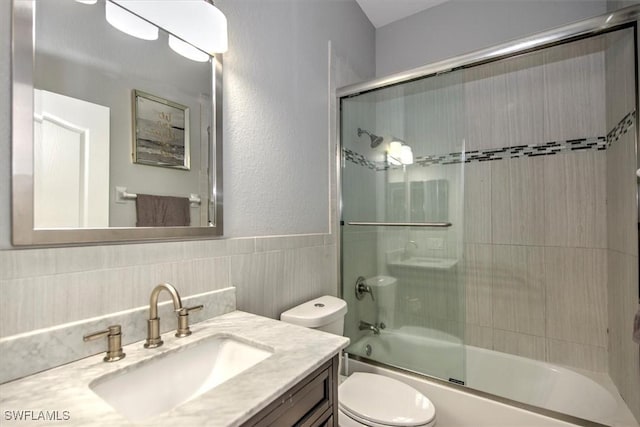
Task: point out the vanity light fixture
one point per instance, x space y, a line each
87 1
406 155
399 153
129 23
393 153
187 50
198 22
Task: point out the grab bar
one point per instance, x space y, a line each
402 224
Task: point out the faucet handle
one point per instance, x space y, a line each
114 342
362 288
183 320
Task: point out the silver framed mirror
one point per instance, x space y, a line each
41 76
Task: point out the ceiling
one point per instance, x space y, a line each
383 12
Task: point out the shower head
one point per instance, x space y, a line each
375 139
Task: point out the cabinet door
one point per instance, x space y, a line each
310 403
329 422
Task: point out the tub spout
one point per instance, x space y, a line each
366 326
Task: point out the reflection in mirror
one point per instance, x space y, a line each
111 110
80 54
429 201
71 162
420 201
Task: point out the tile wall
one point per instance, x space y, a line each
535 265
537 135
622 245
535 235
44 288
58 286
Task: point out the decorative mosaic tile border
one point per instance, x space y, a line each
621 128
359 159
512 152
515 151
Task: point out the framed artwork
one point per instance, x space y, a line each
160 132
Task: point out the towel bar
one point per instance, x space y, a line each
402 224
122 196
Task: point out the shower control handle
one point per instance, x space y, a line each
362 288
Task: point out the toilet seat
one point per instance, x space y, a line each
379 401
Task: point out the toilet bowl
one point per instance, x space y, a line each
375 400
364 399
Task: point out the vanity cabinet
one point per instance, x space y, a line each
313 402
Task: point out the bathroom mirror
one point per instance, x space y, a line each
100 116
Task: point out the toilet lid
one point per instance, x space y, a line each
383 400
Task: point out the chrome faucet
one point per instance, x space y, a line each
366 326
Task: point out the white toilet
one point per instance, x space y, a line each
364 399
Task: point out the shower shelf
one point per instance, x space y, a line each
426 263
399 259
402 224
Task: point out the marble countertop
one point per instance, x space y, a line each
64 391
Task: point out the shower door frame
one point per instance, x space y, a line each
617 20
613 21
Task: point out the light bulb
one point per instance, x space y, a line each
406 155
394 148
129 23
394 152
186 50
198 22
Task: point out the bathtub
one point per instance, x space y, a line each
517 378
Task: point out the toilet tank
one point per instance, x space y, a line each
325 313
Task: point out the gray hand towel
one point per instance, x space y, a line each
162 211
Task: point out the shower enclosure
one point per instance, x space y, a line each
489 216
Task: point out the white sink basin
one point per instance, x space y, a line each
164 382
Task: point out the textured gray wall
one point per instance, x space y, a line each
276 115
461 26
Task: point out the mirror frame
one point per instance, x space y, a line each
23 232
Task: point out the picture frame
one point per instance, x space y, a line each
160 132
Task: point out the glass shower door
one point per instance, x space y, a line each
402 198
